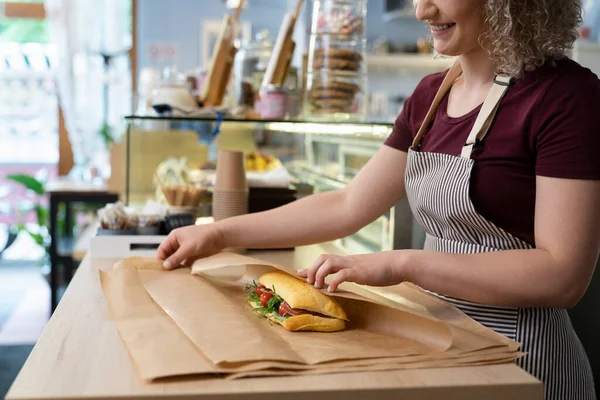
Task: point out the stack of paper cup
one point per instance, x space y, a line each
230 196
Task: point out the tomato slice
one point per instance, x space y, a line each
282 309
260 289
265 297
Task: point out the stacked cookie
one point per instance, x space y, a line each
334 92
337 59
329 97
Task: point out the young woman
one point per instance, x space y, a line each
500 160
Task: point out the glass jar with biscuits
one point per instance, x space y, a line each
336 81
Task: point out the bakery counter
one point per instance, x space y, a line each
80 355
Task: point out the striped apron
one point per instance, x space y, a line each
437 188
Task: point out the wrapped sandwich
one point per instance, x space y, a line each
294 304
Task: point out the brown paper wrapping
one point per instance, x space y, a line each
379 333
499 359
176 323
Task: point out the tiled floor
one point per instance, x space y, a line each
24 310
27 321
25 303
12 359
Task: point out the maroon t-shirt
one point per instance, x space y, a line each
548 124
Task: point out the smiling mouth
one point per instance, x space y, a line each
439 28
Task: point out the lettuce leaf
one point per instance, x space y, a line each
272 306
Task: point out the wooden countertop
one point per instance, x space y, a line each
80 355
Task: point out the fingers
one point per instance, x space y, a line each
174 252
303 273
168 246
189 262
177 258
354 274
323 266
344 269
342 276
311 271
332 265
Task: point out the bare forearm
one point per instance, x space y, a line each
324 216
515 278
313 219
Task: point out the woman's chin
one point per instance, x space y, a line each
446 50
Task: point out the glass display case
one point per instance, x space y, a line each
319 157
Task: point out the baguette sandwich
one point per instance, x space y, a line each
294 304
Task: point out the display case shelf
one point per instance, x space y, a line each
323 155
409 61
176 118
369 130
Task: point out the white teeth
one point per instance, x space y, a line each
441 27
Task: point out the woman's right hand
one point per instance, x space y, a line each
185 245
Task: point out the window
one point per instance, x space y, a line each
28 109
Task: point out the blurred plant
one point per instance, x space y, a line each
106 133
40 233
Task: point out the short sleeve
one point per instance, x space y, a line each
401 137
568 138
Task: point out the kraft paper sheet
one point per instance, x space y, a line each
177 323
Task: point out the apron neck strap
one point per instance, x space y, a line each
447 83
486 114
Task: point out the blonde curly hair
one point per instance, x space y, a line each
523 35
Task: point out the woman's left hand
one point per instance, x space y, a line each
378 269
